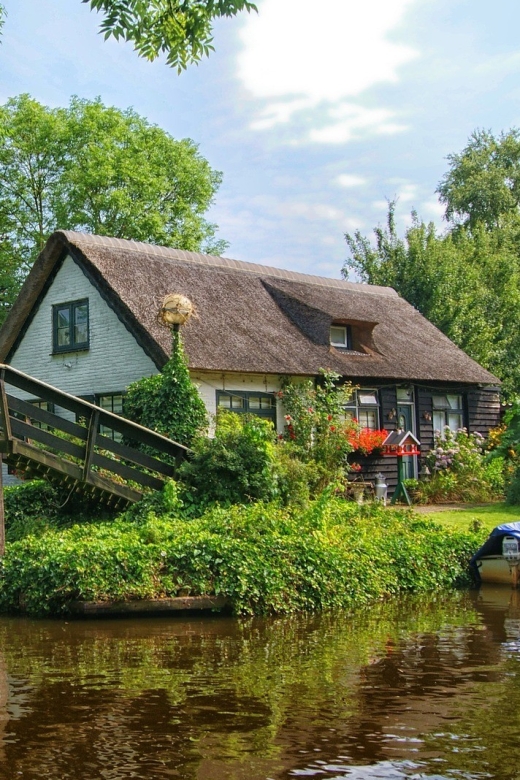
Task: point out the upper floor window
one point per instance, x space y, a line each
341 336
70 326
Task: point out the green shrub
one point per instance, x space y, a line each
461 469
264 558
168 403
237 466
316 428
37 505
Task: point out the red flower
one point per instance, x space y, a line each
366 440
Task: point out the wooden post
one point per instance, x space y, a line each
400 490
5 422
91 443
2 514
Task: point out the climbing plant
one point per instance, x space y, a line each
169 402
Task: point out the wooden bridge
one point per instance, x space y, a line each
57 436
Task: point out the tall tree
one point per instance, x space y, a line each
96 169
180 29
482 184
466 282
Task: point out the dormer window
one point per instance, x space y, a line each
341 336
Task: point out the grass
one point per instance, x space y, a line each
490 515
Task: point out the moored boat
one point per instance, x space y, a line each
498 560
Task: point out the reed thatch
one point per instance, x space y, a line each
250 318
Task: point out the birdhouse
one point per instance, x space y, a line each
400 444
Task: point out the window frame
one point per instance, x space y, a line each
105 430
73 345
347 345
245 396
357 407
448 410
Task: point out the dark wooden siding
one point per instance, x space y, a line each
483 409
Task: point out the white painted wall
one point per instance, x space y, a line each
113 360
209 382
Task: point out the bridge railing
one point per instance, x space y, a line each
68 445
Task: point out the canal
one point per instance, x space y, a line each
414 688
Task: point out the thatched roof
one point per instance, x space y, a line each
250 318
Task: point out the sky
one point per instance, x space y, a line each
317 113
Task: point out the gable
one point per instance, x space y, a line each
113 359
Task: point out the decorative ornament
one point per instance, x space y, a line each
176 310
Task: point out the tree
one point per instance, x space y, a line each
96 169
181 29
482 184
467 282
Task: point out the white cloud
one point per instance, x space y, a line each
407 193
297 58
356 124
350 180
326 53
433 209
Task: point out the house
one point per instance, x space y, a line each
86 321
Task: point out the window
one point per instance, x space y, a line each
47 406
447 411
261 404
341 336
112 403
70 326
364 407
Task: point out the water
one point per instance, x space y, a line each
415 688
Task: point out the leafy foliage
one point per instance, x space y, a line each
237 466
316 428
36 506
169 402
482 185
263 558
505 450
96 169
466 282
180 28
461 469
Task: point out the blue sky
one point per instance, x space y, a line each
316 112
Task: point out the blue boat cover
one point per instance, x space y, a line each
493 544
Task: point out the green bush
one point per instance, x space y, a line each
461 469
316 428
35 506
265 559
237 466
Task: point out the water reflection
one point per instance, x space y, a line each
415 688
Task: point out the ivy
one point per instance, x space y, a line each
168 403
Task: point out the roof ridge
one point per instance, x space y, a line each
224 263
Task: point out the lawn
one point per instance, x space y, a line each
490 515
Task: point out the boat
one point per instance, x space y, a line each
498 560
